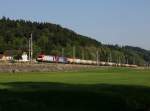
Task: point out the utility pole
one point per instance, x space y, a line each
107 59
31 48
97 57
119 60
110 57
62 52
83 54
127 61
133 61
74 53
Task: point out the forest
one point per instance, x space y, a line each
53 39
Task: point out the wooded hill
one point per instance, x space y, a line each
52 39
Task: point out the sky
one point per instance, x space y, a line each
123 22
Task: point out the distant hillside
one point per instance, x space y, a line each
51 39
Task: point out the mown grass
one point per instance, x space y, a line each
104 89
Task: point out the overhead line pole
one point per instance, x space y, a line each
83 54
31 48
62 53
110 59
74 53
97 55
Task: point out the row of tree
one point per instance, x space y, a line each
53 39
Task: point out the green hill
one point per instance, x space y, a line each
52 38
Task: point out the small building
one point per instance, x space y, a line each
6 56
24 57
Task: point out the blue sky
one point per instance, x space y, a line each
124 22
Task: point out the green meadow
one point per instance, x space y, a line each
103 89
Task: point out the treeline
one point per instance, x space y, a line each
53 39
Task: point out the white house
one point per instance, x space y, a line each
24 57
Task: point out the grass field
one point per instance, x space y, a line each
104 89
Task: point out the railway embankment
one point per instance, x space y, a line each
22 67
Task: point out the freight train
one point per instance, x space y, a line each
65 60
